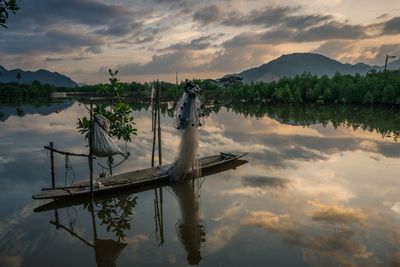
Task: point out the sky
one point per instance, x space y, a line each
153 39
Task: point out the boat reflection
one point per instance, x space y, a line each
115 213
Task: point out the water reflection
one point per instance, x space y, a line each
116 215
190 228
311 195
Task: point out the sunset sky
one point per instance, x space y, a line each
152 39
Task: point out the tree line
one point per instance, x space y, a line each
373 88
16 92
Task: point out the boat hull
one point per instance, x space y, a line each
138 178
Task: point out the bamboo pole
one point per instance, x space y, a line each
52 149
53 183
93 221
159 125
161 222
71 232
56 218
91 149
154 118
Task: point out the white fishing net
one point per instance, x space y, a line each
102 144
188 117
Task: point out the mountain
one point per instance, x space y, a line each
298 63
43 76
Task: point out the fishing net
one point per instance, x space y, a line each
188 117
103 145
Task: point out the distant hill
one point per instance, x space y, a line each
43 76
298 63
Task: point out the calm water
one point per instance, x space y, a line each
311 195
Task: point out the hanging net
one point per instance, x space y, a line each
103 145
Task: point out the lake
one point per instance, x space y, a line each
320 188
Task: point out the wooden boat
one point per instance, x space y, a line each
132 179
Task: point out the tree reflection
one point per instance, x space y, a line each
115 213
381 119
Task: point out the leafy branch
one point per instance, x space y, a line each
7 6
117 112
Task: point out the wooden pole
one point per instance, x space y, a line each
93 222
154 117
152 107
110 162
160 160
52 149
53 183
91 149
162 217
386 61
56 218
71 233
159 125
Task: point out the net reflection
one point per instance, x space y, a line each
190 228
115 214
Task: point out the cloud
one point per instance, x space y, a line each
45 14
269 16
235 59
208 14
158 31
229 213
269 221
265 181
273 16
76 27
352 51
199 43
181 60
57 59
337 244
332 30
54 41
337 215
391 26
119 28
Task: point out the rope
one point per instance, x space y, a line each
116 165
72 221
68 167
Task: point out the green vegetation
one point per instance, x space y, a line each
7 6
14 92
373 88
382 120
117 111
115 214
